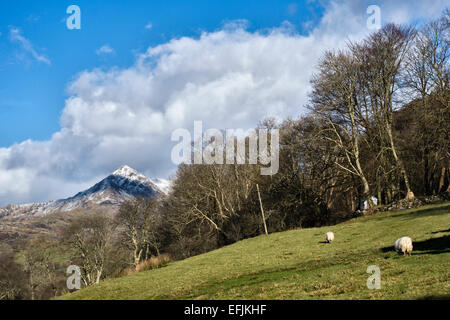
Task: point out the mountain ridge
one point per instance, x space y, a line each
123 184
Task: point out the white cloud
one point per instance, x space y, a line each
409 11
16 36
230 78
149 25
105 49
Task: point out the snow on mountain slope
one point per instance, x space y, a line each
123 184
163 184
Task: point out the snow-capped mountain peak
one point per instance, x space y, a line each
123 184
127 172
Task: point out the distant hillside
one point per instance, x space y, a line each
299 264
123 184
18 223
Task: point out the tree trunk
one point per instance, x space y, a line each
409 193
32 287
352 201
99 275
441 180
379 188
136 257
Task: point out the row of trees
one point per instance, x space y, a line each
378 125
101 246
106 247
354 98
33 274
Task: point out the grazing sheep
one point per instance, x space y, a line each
329 236
403 245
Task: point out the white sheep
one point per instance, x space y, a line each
403 245
329 236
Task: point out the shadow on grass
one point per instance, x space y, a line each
433 245
441 231
425 212
416 213
429 246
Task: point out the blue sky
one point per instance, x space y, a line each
77 104
32 92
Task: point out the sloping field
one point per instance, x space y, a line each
299 264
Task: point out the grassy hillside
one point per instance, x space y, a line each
299 265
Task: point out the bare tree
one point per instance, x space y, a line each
39 266
336 104
90 237
426 77
381 56
12 277
137 220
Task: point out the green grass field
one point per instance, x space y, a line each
298 264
